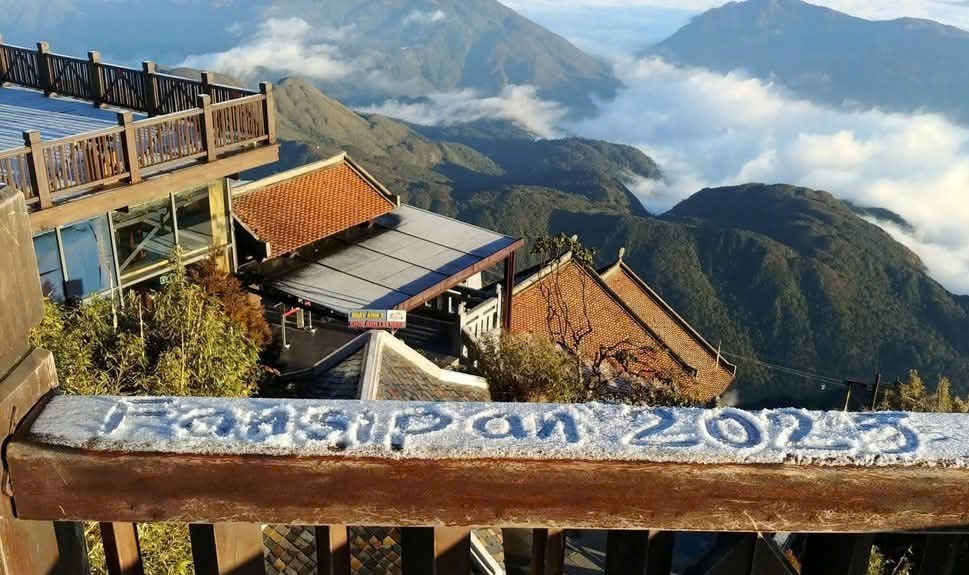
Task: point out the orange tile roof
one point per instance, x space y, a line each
714 373
612 323
289 213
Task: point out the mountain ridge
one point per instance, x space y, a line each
781 273
901 65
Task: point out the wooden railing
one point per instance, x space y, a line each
45 171
145 90
15 170
227 466
193 120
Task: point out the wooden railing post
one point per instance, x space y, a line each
3 63
122 551
148 70
207 82
548 551
332 550
26 376
38 168
129 146
43 65
227 548
94 74
269 110
208 127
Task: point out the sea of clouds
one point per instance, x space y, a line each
704 129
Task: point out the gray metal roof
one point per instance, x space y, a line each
411 250
22 110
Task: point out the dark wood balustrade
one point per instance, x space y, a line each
191 120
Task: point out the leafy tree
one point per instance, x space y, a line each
237 303
178 341
912 395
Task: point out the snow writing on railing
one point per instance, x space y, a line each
512 431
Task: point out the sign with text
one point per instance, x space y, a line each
378 319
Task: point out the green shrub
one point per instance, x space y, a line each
178 341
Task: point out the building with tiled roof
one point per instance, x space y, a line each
378 366
580 292
293 209
714 373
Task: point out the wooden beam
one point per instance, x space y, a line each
837 553
227 549
153 187
122 551
434 291
606 494
333 550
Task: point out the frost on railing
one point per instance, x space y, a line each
507 431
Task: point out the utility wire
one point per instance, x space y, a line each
788 370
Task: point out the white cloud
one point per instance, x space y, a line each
708 129
422 17
287 45
519 104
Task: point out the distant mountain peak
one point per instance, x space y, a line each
903 65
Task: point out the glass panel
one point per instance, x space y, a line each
87 252
49 266
145 236
194 220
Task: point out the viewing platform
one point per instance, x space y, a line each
141 130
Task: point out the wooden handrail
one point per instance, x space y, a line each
580 466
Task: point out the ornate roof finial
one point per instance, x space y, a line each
622 252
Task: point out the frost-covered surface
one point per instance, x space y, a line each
516 431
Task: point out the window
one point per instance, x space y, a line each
49 266
87 253
194 217
145 237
